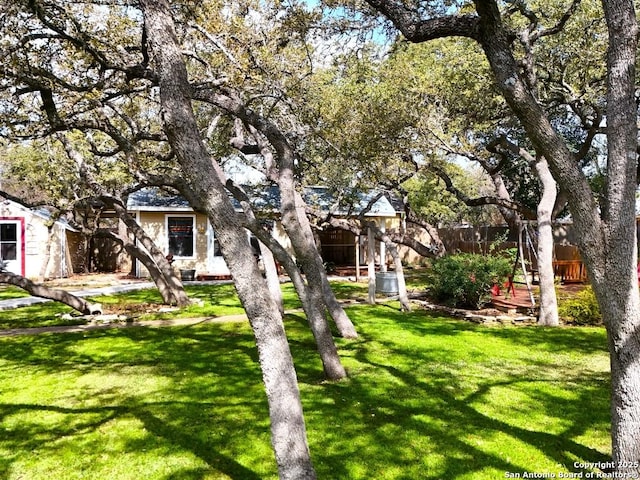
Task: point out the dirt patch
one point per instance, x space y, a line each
134 309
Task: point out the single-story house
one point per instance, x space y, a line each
189 239
29 238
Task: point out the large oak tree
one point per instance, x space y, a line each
607 237
131 82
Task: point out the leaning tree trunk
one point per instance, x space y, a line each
307 254
298 228
77 303
326 347
548 301
168 274
271 274
294 217
165 290
342 321
278 372
310 297
137 253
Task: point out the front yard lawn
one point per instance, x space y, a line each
8 292
428 397
210 301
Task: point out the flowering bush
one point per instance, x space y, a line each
465 280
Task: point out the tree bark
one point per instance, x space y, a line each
36 290
138 253
326 347
548 301
157 277
278 373
435 250
607 243
618 292
313 309
169 277
309 292
271 274
293 221
293 208
340 317
548 314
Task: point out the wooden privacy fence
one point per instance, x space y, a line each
570 271
567 264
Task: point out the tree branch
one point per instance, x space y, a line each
416 29
479 201
41 291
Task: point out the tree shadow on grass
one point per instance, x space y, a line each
410 399
453 427
34 438
205 450
433 397
209 375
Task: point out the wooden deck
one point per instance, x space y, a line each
516 300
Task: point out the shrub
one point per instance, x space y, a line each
581 309
465 279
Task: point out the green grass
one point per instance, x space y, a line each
39 315
8 292
212 301
428 397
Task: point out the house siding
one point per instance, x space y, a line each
33 244
154 224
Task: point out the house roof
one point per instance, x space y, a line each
266 198
156 199
325 199
40 212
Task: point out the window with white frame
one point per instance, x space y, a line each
181 235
